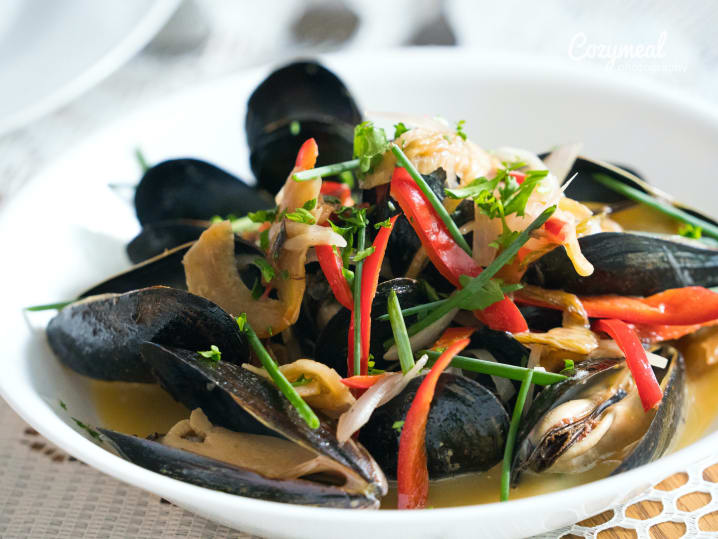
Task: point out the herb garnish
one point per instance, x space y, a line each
364 253
460 129
302 215
276 375
370 145
295 127
49 306
213 354
687 230
399 129
568 366
397 426
265 267
327 170
302 381
511 438
141 160
501 196
262 216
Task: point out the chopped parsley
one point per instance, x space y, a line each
399 129
264 240
386 223
89 430
63 405
295 127
213 354
262 216
568 366
501 196
370 145
370 367
460 129
265 267
302 215
493 291
257 289
397 425
688 230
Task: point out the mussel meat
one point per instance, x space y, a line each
596 416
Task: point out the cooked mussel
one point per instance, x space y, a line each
193 189
628 264
596 416
331 348
241 401
100 336
465 432
294 103
156 238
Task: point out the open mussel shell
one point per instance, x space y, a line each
239 400
193 189
294 103
331 347
465 432
100 336
594 415
156 238
628 264
213 474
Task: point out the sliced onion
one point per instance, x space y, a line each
314 235
486 231
560 161
425 337
380 393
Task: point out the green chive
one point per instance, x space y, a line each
357 302
416 309
276 375
708 229
406 358
511 438
50 306
478 282
327 170
402 160
141 160
492 368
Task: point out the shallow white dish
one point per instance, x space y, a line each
67 229
51 52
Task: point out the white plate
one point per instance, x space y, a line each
67 229
50 52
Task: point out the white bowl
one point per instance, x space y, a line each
67 229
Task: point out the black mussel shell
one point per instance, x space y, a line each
585 189
465 432
166 269
156 238
193 189
238 399
100 336
332 344
628 264
296 102
209 473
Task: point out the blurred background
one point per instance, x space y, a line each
70 67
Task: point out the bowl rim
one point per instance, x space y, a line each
17 390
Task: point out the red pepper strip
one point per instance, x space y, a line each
673 307
338 190
453 334
446 255
636 359
307 155
331 264
369 282
555 228
361 382
518 176
412 473
658 333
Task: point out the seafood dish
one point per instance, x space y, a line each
391 316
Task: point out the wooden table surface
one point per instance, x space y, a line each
649 509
